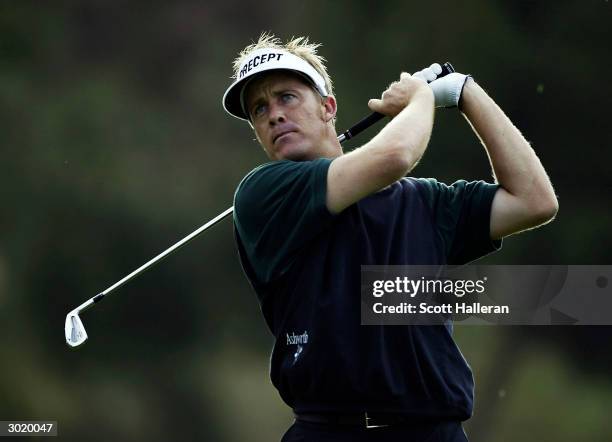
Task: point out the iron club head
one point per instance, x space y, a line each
75 332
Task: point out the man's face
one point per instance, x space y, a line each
291 120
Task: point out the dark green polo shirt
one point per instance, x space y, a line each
304 264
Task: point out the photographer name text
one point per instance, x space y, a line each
425 308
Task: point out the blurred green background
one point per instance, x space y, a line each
115 145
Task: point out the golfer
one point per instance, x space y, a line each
310 217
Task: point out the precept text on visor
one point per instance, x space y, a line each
257 60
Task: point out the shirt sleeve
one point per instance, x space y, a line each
278 209
462 214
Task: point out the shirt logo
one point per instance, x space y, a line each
293 339
299 340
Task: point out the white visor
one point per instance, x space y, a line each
262 60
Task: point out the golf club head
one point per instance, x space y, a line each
75 332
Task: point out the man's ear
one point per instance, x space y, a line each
258 140
330 107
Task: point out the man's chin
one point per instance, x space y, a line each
294 153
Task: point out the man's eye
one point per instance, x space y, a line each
287 97
259 110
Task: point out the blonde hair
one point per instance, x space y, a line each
299 46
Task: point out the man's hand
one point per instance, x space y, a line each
447 90
398 95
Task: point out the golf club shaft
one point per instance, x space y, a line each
155 260
362 125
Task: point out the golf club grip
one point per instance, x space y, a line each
374 117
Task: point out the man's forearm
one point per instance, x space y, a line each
515 165
409 131
387 157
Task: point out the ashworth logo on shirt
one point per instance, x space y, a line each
297 339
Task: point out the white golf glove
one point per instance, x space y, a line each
447 90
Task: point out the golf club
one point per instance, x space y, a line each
74 329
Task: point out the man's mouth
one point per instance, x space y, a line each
280 135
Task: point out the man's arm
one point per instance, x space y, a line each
526 198
392 153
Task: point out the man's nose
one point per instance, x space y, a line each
276 114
